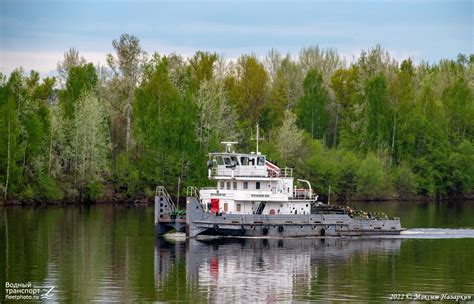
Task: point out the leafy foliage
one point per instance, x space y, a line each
370 129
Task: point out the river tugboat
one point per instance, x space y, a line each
254 197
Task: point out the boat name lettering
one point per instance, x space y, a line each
260 195
217 194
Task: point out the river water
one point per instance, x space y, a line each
109 253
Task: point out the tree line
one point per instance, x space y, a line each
369 128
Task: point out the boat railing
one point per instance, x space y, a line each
286 172
192 192
209 188
303 194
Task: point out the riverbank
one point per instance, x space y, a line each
142 200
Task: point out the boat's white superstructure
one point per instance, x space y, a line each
251 184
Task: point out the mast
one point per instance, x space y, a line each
257 138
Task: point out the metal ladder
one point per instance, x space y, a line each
162 192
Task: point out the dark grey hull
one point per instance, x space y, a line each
200 222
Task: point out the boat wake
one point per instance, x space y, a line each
437 233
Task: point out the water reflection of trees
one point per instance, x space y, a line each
87 253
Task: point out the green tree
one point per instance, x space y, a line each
202 66
25 123
378 114
247 87
80 78
348 98
10 149
71 59
164 128
216 117
127 69
312 114
90 145
290 139
459 104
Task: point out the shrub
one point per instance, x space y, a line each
94 190
48 188
403 180
370 177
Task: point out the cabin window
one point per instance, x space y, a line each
257 185
246 185
235 161
234 185
220 161
228 185
261 161
237 208
244 161
222 185
227 161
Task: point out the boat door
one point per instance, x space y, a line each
214 205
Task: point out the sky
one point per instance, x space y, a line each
34 34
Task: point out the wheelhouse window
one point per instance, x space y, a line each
244 161
235 161
261 161
220 161
246 185
257 185
227 161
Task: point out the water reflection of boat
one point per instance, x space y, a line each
252 270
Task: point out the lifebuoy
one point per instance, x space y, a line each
272 211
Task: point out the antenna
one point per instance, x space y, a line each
228 145
257 137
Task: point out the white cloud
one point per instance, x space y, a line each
41 61
45 61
